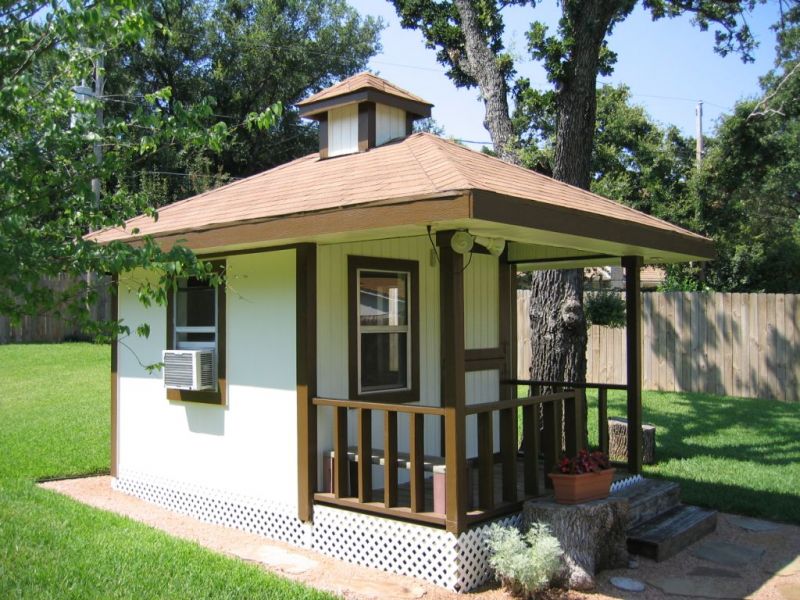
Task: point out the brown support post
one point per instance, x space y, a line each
340 460
364 455
306 326
551 437
416 445
507 285
453 386
485 461
633 321
574 423
602 418
389 458
114 376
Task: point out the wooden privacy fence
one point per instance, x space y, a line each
51 328
718 343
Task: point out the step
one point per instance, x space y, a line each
670 532
648 499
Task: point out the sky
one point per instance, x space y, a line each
668 64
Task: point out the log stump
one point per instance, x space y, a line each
618 441
592 535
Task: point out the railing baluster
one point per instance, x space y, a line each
602 418
389 459
551 437
340 461
416 450
364 455
530 433
572 437
508 453
485 461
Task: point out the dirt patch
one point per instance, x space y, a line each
759 579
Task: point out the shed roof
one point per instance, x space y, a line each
421 166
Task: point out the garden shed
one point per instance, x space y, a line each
361 397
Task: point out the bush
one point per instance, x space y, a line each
527 564
604 308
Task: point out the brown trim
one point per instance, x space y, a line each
306 344
114 377
421 110
220 396
366 126
401 513
633 346
409 211
381 264
536 261
453 384
500 208
484 359
410 123
323 135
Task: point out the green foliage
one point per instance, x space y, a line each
525 564
54 416
604 308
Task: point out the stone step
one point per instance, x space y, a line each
672 531
648 499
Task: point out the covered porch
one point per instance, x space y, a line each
479 471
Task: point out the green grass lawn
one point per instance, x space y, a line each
54 415
733 454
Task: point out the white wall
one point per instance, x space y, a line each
390 123
247 447
343 130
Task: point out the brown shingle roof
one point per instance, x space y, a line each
420 166
358 82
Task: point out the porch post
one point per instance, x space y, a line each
633 321
306 341
453 386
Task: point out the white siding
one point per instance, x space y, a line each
248 446
481 302
390 123
343 130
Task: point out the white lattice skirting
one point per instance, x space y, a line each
456 562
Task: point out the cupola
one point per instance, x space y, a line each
362 112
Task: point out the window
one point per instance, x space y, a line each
384 356
196 321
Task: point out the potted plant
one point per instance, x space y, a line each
581 478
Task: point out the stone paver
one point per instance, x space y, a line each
699 587
704 571
382 587
727 554
752 524
790 591
793 568
283 560
627 584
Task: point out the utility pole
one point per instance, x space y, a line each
699 151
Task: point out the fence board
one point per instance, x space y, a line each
734 344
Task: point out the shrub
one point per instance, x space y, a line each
604 308
525 564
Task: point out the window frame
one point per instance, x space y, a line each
389 265
218 396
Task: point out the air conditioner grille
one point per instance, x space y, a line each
189 369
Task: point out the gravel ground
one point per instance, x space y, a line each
757 580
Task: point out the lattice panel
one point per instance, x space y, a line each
253 515
386 544
473 554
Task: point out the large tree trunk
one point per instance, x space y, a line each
480 64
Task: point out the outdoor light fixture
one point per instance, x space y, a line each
495 246
462 242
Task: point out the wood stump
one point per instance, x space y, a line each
592 535
618 441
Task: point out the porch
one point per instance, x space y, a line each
480 468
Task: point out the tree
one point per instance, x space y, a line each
467 34
247 55
47 158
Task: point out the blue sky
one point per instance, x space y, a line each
668 64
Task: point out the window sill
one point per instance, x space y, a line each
200 396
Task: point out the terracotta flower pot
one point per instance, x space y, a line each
574 489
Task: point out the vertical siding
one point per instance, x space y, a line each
481 302
390 123
343 130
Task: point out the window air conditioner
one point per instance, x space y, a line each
188 369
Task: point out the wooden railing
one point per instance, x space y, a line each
572 421
351 476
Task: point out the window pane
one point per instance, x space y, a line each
195 337
383 298
195 307
384 361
